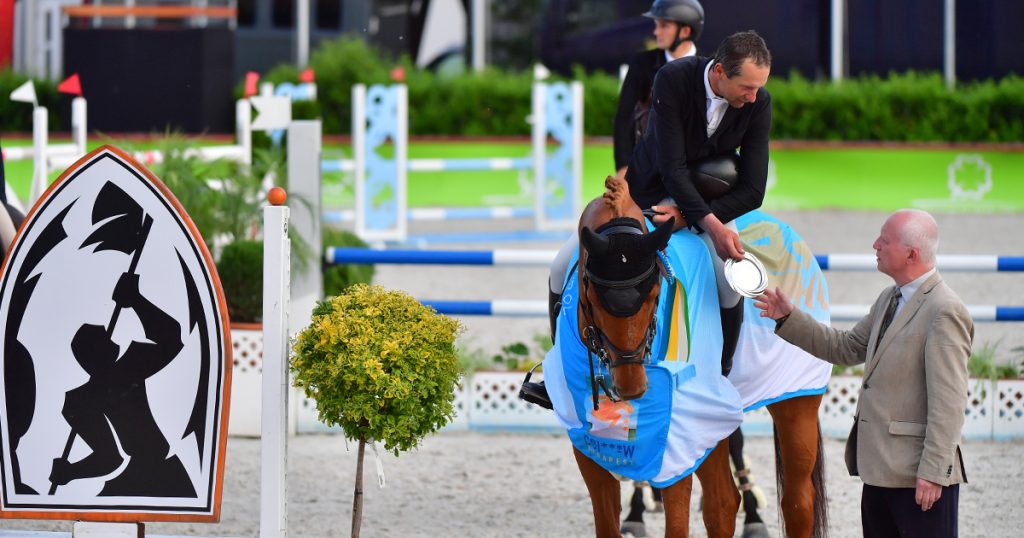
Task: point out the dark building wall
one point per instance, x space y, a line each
883 35
145 80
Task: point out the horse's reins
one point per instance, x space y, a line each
596 342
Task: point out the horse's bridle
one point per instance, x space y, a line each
595 340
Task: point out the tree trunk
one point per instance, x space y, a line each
357 501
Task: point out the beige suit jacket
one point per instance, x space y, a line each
911 406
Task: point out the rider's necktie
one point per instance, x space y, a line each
890 313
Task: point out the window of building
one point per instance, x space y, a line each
328 14
283 13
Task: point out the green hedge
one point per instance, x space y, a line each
913 107
901 107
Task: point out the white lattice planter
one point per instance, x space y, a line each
838 406
494 404
979 412
246 380
1008 413
994 410
247 383
489 401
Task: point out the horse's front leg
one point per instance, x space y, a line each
721 500
604 495
676 500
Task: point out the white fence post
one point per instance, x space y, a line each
274 440
40 165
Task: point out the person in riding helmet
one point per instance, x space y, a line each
677 25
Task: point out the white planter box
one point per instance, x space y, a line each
490 401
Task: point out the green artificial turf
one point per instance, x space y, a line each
881 179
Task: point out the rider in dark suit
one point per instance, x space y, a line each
702 108
677 25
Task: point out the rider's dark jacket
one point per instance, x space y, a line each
635 89
677 136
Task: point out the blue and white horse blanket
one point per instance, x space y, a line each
689 406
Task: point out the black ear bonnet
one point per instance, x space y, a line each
621 263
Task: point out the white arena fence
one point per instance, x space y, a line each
489 402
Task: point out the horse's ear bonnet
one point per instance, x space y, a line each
621 262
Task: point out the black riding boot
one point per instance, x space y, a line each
554 308
732 318
537 393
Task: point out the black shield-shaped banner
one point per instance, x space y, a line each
116 356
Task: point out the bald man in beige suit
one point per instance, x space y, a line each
906 434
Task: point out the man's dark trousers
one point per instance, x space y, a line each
892 512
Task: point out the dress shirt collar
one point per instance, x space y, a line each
910 288
692 52
712 98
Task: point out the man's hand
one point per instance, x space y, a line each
621 173
665 212
773 304
927 494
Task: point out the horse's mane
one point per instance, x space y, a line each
616 197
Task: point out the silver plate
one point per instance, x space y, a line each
747 276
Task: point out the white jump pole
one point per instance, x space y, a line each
359 153
243 129
274 432
40 164
539 135
79 123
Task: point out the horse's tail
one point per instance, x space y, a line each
820 495
820 527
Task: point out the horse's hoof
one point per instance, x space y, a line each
755 530
633 528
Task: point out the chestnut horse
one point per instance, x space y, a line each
618 303
605 354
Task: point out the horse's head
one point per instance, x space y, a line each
619 285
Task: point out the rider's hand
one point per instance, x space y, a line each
773 304
127 290
727 242
665 212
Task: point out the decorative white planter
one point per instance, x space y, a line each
490 401
247 383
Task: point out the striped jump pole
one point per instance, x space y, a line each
444 213
840 312
832 262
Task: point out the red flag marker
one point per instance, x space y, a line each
252 79
71 85
307 75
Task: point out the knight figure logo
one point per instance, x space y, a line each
116 356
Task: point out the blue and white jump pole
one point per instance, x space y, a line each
543 258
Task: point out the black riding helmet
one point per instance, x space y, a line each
684 12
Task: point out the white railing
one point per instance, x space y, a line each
489 402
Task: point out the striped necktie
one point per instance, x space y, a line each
890 313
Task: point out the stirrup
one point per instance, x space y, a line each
535 393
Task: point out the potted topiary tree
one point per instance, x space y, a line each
380 365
